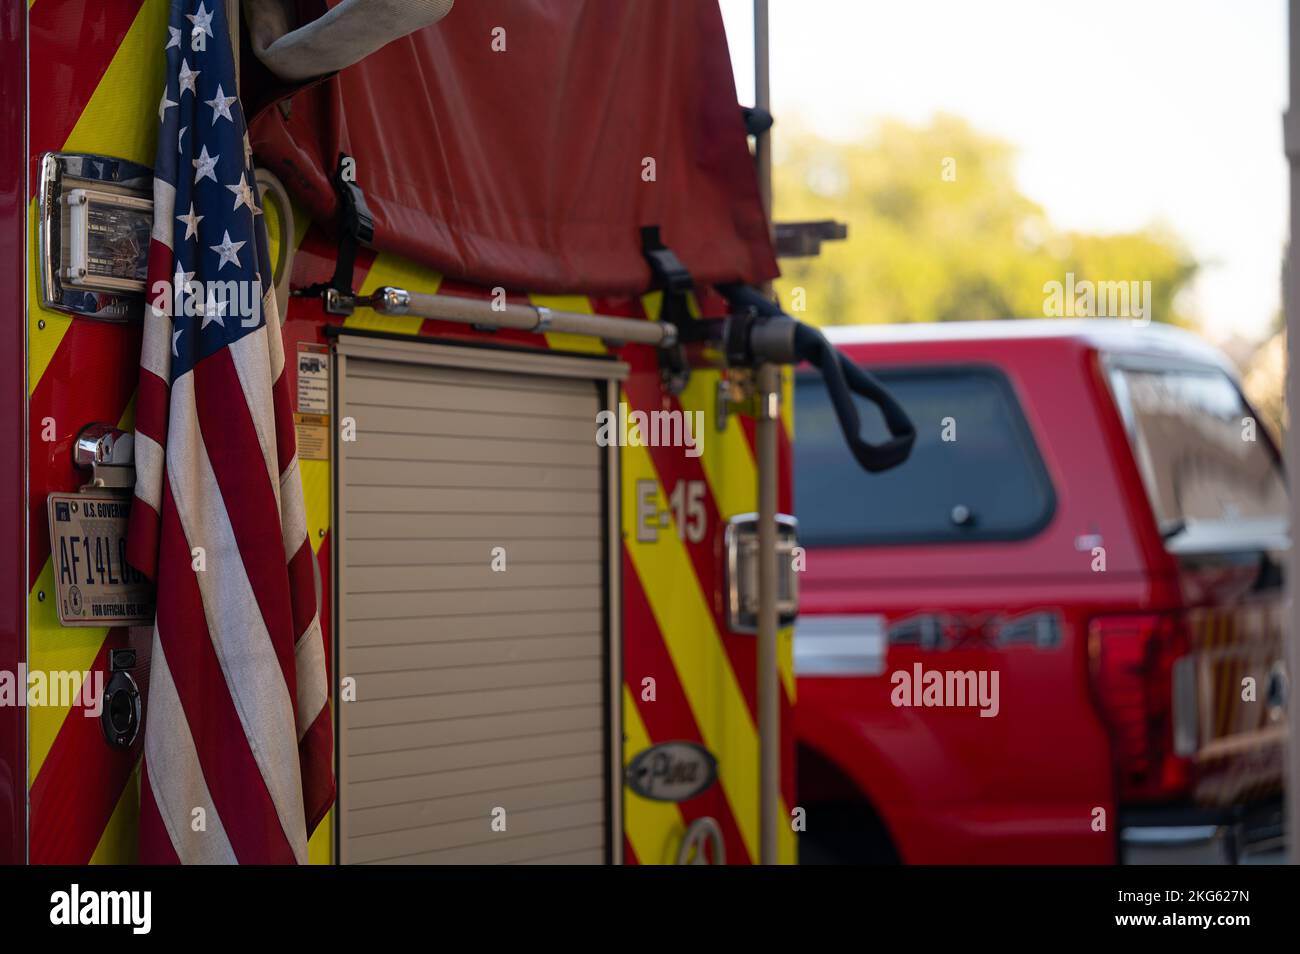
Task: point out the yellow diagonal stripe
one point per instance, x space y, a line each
686 623
53 648
655 829
120 120
316 497
732 476
400 273
320 847
727 460
45 328
118 845
561 341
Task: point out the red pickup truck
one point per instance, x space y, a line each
1054 634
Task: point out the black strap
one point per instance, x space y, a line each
670 276
355 223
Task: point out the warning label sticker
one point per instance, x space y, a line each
312 417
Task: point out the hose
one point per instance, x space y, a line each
272 187
773 336
842 376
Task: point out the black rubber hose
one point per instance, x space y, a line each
842 376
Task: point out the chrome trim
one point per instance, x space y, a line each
1161 835
61 173
99 444
669 339
742 532
851 645
392 301
108 453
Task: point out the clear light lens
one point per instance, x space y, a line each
117 242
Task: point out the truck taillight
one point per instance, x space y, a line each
1133 659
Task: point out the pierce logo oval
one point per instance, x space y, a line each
672 771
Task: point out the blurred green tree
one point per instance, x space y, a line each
939 231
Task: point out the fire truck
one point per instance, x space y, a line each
493 226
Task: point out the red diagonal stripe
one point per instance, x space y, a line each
669 717
673 466
77 42
87 381
80 781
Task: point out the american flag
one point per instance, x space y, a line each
238 744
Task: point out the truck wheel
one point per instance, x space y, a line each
845 834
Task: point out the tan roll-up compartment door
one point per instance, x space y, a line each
476 606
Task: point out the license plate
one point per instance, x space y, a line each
94 584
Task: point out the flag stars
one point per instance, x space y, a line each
180 286
180 139
228 251
214 310
191 222
205 166
244 195
187 78
174 35
220 106
202 20
164 105
176 336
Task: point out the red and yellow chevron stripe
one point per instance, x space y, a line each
94 70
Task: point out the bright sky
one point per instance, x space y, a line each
1125 112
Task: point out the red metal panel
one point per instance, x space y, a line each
511 145
13 399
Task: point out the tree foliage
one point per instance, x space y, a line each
939 231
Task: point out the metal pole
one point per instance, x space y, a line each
768 387
473 311
1291 297
769 684
232 22
763 100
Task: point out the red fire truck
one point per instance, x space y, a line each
488 232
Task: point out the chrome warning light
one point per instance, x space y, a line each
96 215
742 571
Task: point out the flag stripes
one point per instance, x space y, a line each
238 736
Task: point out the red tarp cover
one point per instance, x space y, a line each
523 168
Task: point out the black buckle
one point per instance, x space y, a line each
356 227
670 276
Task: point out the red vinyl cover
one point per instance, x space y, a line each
524 167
